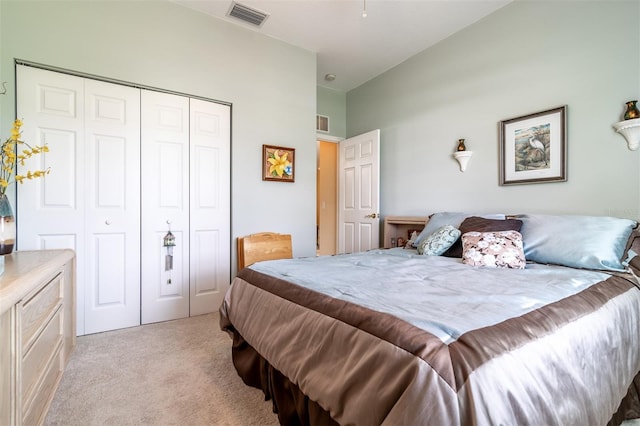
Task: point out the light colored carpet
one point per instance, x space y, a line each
171 373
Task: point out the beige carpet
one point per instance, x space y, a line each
172 373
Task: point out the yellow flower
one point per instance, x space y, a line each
279 165
15 133
8 158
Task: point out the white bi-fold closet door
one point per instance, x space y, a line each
90 201
185 190
127 164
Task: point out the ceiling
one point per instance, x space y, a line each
352 47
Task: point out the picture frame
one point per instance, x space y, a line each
278 163
533 148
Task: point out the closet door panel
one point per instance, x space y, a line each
165 205
170 180
54 242
50 211
59 189
110 267
210 138
112 139
205 248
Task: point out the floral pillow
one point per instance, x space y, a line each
502 249
439 241
481 224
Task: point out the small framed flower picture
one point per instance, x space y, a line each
278 163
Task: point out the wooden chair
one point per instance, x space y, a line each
263 246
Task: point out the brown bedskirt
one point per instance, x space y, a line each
289 403
295 408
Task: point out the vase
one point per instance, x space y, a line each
7 226
632 111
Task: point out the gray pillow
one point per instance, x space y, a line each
590 242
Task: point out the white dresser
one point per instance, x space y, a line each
37 331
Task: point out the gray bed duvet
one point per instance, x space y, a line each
569 360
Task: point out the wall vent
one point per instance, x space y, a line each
247 14
322 123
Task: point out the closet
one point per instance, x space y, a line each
128 166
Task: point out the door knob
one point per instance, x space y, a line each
372 215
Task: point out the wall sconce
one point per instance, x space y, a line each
630 126
462 156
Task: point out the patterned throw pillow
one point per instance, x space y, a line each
481 224
501 249
438 242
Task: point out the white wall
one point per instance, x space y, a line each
527 57
270 84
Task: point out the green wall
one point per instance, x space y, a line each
527 57
333 104
270 84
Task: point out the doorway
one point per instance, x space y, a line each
327 197
348 194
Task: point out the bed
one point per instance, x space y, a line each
483 319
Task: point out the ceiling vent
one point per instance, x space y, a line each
247 14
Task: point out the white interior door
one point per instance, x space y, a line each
210 143
50 211
359 193
87 202
165 205
112 214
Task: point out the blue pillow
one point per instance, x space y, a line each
439 241
589 242
438 220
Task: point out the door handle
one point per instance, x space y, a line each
372 215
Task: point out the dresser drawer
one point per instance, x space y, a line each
38 309
35 411
36 360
